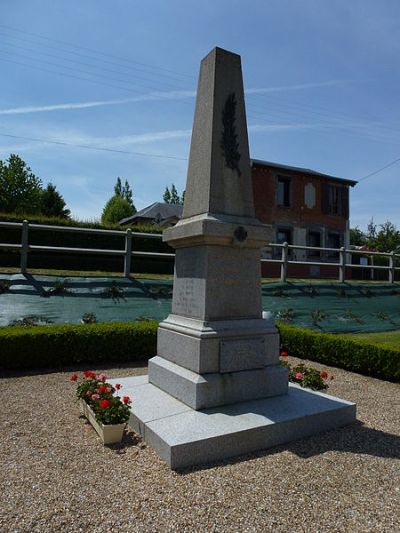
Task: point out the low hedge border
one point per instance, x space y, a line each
331 349
56 346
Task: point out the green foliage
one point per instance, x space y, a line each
114 291
167 196
357 356
357 237
63 345
30 321
52 204
383 237
89 318
124 191
285 315
116 209
317 315
20 189
172 196
306 376
60 289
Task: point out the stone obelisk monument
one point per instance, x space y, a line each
215 348
215 389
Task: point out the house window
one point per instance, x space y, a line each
283 196
335 200
333 241
283 235
314 240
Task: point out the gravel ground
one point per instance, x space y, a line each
57 476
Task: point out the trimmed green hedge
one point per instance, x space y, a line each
23 348
357 356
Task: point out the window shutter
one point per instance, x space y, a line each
325 198
345 202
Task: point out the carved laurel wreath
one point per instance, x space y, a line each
229 143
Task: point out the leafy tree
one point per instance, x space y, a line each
167 196
387 238
175 199
20 189
116 209
125 192
52 204
383 237
172 196
357 237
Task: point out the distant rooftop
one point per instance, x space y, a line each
157 211
300 170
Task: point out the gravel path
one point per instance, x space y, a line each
56 476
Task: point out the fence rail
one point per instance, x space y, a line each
128 252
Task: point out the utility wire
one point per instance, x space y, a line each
91 50
91 147
380 169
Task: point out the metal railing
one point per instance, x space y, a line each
128 252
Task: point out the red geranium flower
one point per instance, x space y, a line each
102 389
324 374
283 354
299 376
89 374
126 400
104 404
331 377
117 386
74 377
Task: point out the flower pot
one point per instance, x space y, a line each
109 434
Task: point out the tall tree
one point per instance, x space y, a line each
167 196
125 192
172 196
20 189
52 204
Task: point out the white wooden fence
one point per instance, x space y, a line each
128 252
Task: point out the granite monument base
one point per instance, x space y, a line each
184 437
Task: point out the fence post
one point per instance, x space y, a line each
284 262
128 253
24 246
342 264
392 264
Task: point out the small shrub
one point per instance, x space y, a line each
4 286
285 315
114 291
311 290
60 289
350 315
89 318
30 321
318 316
357 356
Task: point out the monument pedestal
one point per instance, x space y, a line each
216 388
185 437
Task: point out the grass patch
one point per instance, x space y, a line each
391 339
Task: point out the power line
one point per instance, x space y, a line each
380 169
91 147
91 50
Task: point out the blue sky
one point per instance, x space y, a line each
321 80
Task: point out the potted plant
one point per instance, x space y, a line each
103 408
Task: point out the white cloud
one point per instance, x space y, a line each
154 96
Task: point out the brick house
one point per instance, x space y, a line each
304 207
